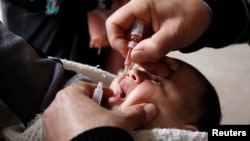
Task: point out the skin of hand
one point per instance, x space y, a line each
170 25
73 112
97 18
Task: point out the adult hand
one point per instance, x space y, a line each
73 112
173 24
96 22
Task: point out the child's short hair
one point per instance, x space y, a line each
209 109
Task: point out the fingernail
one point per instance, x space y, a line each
151 111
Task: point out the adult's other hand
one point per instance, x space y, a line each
73 112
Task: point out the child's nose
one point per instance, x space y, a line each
135 75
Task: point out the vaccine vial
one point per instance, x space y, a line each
134 38
97 96
136 33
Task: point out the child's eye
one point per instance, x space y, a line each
156 80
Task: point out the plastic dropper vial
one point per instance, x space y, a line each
97 96
134 38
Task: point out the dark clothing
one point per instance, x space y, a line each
230 25
104 134
64 35
30 81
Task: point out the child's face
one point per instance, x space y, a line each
172 96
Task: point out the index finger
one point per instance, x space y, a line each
120 22
117 31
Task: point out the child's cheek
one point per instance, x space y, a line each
135 97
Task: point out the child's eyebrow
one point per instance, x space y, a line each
135 66
154 75
149 73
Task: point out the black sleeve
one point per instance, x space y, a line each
230 25
104 134
29 80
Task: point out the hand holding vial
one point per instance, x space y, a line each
134 38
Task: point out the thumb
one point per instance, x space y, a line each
157 46
139 115
148 50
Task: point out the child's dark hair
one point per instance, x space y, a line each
209 113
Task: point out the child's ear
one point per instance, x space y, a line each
189 127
